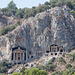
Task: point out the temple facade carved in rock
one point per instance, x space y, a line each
21 55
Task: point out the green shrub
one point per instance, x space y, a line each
26 72
19 14
16 73
61 59
4 66
12 5
6 29
67 72
40 67
18 22
73 67
1 15
8 13
57 73
68 66
70 5
71 70
43 72
22 70
47 3
72 55
73 12
3 63
73 47
9 65
50 61
4 69
50 67
34 71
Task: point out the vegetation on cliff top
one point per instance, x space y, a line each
11 9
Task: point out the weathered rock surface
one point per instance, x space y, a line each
56 25
7 21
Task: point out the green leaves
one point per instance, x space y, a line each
26 72
61 59
4 66
6 29
12 5
17 73
72 55
67 72
32 71
69 3
73 12
43 72
68 66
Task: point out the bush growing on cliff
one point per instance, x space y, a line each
57 73
18 22
4 66
50 67
22 70
61 60
69 3
32 71
73 12
1 15
6 29
3 69
50 61
40 67
12 5
19 14
72 55
67 72
68 66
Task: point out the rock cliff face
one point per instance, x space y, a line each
54 26
7 21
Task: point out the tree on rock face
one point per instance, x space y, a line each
47 3
12 5
43 72
70 5
68 66
4 10
72 55
0 15
67 72
26 72
22 70
34 71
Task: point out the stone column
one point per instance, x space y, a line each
57 49
14 55
36 53
17 56
26 55
51 49
20 55
23 56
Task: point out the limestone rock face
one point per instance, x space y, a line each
54 26
7 21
